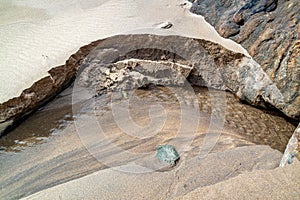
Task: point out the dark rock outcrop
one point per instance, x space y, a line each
270 31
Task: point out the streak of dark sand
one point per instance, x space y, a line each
260 127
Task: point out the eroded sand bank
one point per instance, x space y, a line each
31 44
37 36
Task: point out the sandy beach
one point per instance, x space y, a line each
52 156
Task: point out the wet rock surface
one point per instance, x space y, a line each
269 30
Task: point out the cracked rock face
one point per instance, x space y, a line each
270 31
126 62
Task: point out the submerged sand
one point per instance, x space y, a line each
121 164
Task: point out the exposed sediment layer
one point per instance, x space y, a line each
204 63
41 91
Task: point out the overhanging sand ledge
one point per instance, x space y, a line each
80 18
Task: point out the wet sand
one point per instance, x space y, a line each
51 154
244 121
69 154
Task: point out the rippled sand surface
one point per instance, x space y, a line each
240 120
77 146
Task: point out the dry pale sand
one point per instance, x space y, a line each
280 183
38 35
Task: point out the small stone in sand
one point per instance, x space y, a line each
168 154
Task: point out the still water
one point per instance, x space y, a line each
242 124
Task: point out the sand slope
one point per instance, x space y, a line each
36 36
281 183
116 183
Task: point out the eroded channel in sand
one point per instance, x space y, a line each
63 156
244 124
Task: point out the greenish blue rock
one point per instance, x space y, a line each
167 154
